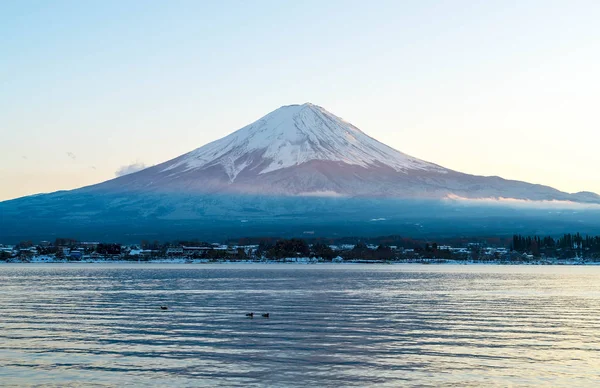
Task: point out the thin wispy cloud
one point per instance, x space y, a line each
71 155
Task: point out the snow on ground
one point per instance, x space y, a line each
307 260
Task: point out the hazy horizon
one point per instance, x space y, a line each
93 90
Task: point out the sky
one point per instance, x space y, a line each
93 89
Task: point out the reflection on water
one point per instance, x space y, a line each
329 326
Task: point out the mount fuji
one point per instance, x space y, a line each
298 169
303 150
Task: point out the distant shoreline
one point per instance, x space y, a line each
424 262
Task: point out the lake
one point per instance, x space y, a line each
329 325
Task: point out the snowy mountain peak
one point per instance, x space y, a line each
291 136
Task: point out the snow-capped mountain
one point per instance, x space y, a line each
299 168
304 150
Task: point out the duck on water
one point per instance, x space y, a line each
251 315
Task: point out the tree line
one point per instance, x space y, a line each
567 245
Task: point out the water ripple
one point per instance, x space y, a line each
329 326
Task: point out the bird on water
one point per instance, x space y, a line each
164 308
265 315
250 315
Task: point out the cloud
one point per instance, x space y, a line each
130 168
93 167
325 194
24 157
523 203
71 155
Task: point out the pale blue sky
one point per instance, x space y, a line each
507 88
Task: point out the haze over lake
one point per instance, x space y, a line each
330 325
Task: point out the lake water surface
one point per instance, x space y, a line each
330 325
